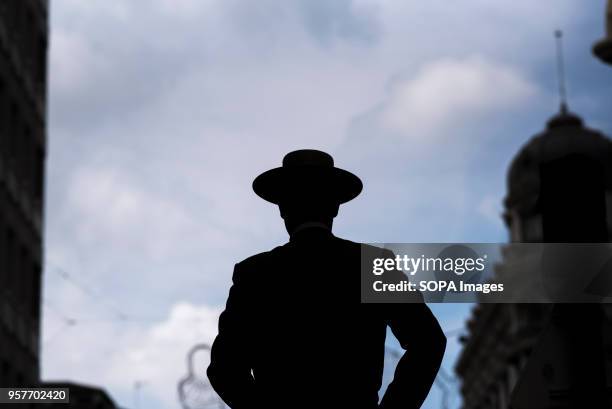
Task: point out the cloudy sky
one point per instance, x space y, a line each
161 115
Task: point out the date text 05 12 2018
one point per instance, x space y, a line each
34 395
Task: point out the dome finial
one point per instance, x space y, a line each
561 72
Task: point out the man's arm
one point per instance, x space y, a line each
230 370
419 333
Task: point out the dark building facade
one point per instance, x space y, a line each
603 48
23 62
81 397
497 353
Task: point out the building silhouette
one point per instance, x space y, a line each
603 48
23 55
82 397
501 337
23 145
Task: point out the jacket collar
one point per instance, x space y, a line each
310 229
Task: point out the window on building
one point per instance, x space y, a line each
532 229
11 247
3 122
28 161
516 230
20 154
41 62
12 136
30 42
5 375
36 294
3 254
39 175
20 380
22 280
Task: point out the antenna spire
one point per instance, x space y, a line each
561 71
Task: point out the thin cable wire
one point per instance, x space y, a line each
62 273
561 70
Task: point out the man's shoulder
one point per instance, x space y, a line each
280 254
365 249
256 260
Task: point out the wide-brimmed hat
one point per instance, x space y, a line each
310 172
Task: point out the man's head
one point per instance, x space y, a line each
299 210
307 188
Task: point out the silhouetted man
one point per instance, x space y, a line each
294 333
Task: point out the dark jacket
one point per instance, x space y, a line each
295 334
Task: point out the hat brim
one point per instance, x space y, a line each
277 184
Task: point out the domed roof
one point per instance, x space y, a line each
565 134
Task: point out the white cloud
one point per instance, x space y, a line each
450 92
115 209
184 8
117 355
490 208
158 355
